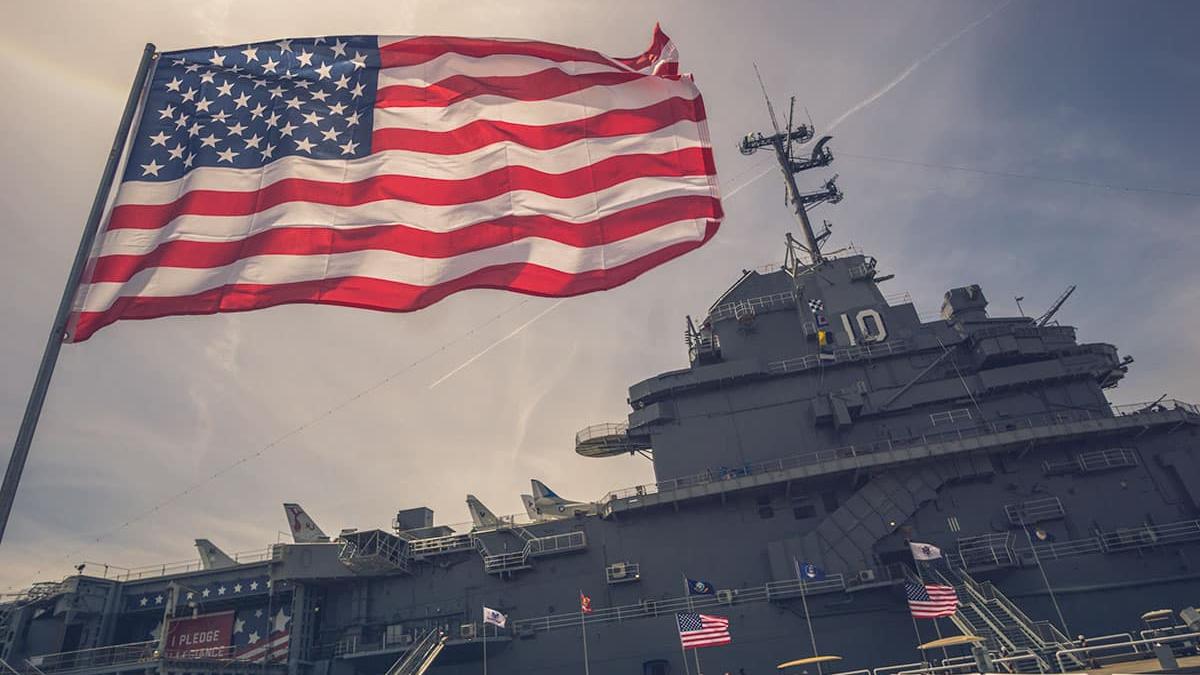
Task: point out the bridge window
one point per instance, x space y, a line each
656 667
764 507
831 501
802 507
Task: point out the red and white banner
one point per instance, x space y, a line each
207 635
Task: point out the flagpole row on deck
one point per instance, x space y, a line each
58 330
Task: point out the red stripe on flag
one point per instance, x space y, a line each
539 86
407 239
417 50
369 293
482 133
429 191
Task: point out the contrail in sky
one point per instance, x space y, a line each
516 331
913 66
889 86
739 188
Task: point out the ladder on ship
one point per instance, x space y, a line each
424 652
1008 632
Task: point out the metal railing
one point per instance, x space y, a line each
603 430
1150 535
762 303
1107 651
135 652
986 550
419 548
1034 511
990 598
1110 458
1155 406
622 572
374 552
117 573
124 655
1065 332
556 543
421 656
534 547
842 355
774 590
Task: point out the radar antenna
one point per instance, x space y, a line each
1045 318
782 142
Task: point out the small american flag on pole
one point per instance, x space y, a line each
702 630
930 601
390 172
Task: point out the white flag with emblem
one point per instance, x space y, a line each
924 551
494 617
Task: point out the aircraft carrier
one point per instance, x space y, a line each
821 424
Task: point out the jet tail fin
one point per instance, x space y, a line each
540 491
530 508
481 516
304 530
212 557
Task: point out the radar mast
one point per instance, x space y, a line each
783 142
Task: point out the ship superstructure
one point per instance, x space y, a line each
819 420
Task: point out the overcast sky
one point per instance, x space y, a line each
1093 91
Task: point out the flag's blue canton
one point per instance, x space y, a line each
247 106
916 592
689 622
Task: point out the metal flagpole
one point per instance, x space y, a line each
1045 579
918 632
485 625
583 631
687 593
687 596
58 330
914 616
804 601
683 652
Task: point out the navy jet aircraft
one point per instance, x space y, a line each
547 505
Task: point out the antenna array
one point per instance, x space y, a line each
783 142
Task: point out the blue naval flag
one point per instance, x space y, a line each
700 587
808 571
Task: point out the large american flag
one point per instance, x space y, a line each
390 172
702 630
930 601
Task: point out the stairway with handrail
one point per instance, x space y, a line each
988 613
422 655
